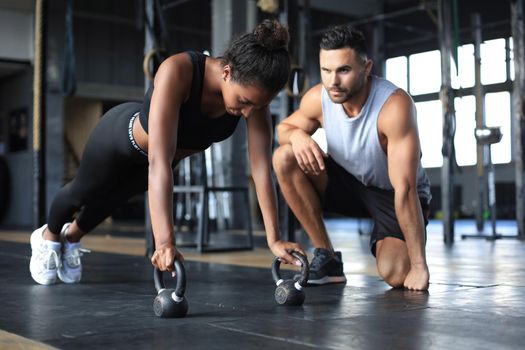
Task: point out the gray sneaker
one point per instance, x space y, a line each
70 270
326 268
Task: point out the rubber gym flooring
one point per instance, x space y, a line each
476 300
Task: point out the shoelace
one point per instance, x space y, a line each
72 256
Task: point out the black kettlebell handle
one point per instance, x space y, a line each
276 274
180 288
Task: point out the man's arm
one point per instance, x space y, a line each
398 124
297 129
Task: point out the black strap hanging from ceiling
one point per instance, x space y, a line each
69 80
159 32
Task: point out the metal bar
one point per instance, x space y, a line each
228 189
380 17
206 249
203 222
447 99
198 189
39 93
378 46
408 76
519 110
408 28
188 200
148 45
498 87
173 4
383 16
507 58
424 38
492 194
481 149
427 36
188 189
248 219
100 17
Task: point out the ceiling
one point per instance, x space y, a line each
354 8
408 24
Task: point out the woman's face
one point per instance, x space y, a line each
242 99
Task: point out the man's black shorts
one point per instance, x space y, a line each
347 196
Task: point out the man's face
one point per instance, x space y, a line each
343 73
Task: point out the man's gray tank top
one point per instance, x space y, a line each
354 143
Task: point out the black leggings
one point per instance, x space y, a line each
111 172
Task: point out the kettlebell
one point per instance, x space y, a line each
170 303
290 292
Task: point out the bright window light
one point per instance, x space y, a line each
319 136
466 68
430 125
493 68
465 141
497 113
425 72
396 71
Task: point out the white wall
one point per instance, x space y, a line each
16 35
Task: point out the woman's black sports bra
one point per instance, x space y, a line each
196 131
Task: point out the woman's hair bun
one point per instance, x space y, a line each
272 35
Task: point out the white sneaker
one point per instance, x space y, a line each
45 258
70 270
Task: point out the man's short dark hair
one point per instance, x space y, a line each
342 36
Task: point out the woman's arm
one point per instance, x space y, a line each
259 148
172 83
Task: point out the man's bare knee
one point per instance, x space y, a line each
393 272
283 160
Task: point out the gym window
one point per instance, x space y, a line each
420 74
429 120
396 71
466 77
497 113
493 67
465 141
425 72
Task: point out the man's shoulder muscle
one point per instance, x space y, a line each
311 103
398 111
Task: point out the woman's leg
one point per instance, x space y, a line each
100 184
105 169
97 210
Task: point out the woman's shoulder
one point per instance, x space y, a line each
178 66
178 62
175 75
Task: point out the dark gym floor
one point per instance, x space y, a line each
476 300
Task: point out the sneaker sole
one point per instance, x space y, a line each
328 280
66 279
44 280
